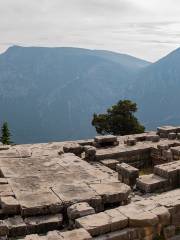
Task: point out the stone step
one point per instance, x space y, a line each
152 183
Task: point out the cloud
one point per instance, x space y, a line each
146 29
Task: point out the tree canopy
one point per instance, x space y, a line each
119 120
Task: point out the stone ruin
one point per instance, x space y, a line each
106 188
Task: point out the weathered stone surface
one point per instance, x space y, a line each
39 203
105 140
127 174
76 234
73 147
131 141
153 138
3 228
35 237
151 183
10 205
111 163
5 190
165 130
112 192
117 220
125 234
79 210
3 181
90 153
163 215
95 224
40 224
172 136
16 226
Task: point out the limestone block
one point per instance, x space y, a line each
73 147
163 215
110 163
151 183
40 224
169 232
79 210
10 205
5 190
153 138
3 181
127 174
90 153
143 219
105 140
125 234
131 141
117 220
76 234
172 136
54 235
112 192
16 226
35 237
3 229
95 224
165 130
178 135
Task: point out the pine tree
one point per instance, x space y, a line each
118 120
5 134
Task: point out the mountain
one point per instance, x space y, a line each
49 94
157 91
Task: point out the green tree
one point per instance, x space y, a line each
119 120
5 134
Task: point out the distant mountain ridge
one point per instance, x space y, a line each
50 94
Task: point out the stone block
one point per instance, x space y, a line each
127 174
125 234
112 192
172 136
165 130
153 138
16 226
95 224
76 234
73 147
105 140
163 215
5 190
131 141
41 224
143 219
90 153
36 237
79 210
117 220
10 205
110 163
151 183
3 181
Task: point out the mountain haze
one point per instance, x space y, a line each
157 91
49 94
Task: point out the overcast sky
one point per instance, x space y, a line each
147 29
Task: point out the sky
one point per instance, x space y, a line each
147 29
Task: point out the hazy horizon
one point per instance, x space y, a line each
145 29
